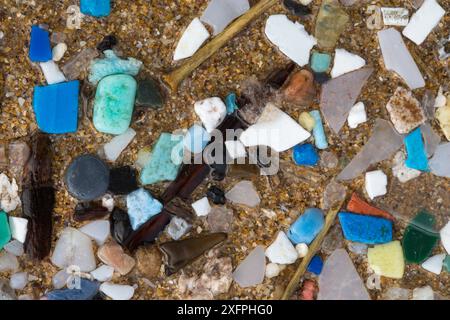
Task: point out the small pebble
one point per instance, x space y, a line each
19 280
272 270
58 51
103 273
302 249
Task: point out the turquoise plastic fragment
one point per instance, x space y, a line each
320 62
320 139
365 229
415 149
40 49
112 64
96 8
114 103
56 107
165 160
141 207
230 102
5 232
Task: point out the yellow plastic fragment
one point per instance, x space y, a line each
387 260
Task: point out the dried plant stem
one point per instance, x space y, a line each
315 246
174 78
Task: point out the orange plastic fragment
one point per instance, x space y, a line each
358 205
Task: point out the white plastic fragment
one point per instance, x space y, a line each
202 207
74 248
191 40
434 264
51 72
250 272
439 163
14 247
58 51
103 273
423 21
445 237
220 13
395 16
357 115
19 228
275 129
98 230
235 149
18 280
398 59
291 38
282 251
423 293
376 184
8 262
117 291
114 148
178 227
345 62
211 112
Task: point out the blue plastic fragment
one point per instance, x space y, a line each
40 48
316 265
196 139
87 291
307 226
56 107
365 229
320 139
305 154
415 149
96 8
230 102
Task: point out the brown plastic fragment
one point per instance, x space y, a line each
178 254
149 231
86 211
38 197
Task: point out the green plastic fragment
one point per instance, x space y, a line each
420 238
5 232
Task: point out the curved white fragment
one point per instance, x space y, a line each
345 62
191 40
274 129
291 38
